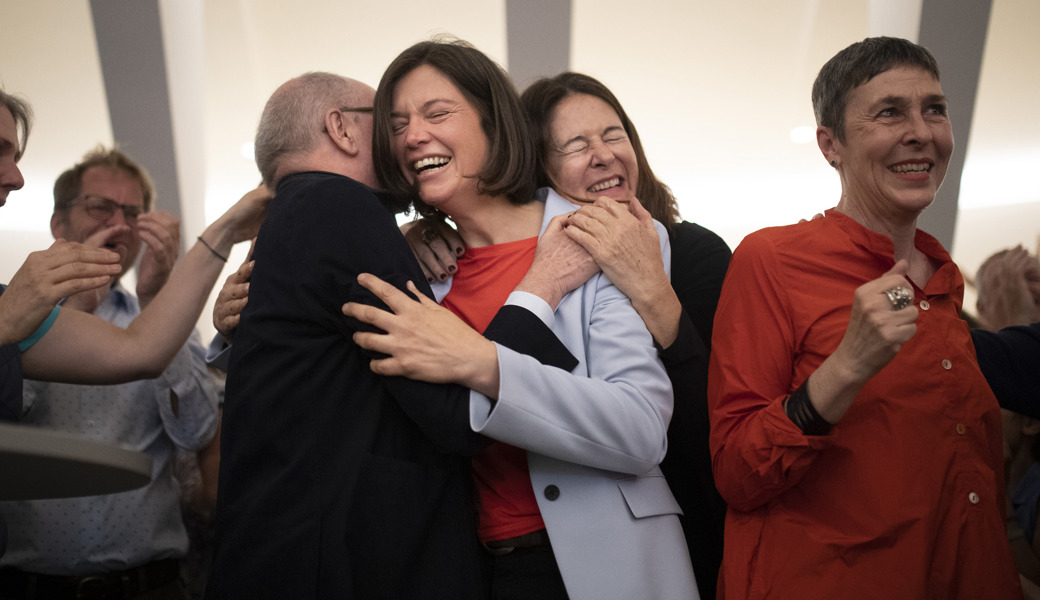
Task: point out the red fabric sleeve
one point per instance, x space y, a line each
757 452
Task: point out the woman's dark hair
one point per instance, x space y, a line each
510 164
856 65
542 97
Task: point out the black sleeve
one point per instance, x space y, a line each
687 347
1010 360
10 382
699 262
519 329
441 411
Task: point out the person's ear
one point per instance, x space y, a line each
829 145
59 226
342 131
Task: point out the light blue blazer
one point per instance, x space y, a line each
594 438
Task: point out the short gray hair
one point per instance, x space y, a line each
856 65
23 116
293 119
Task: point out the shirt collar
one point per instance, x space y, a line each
947 278
119 296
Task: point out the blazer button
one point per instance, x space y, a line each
552 492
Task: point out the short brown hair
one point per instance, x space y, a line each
510 165
542 97
856 65
69 183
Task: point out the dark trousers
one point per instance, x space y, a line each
526 573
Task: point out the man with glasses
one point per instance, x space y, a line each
105 201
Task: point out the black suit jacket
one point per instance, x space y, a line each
1010 360
699 262
335 482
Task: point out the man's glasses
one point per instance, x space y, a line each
103 209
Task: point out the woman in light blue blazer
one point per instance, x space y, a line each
450 133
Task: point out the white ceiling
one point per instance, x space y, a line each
714 86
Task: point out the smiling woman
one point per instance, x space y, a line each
590 152
476 84
585 131
438 141
576 454
885 179
853 435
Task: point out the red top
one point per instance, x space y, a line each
904 498
506 501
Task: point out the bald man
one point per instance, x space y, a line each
336 482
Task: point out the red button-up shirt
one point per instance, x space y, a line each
904 498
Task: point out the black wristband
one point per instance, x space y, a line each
215 253
803 414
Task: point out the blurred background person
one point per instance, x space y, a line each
105 200
197 473
1007 285
76 347
1007 288
39 340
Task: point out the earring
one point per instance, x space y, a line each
834 163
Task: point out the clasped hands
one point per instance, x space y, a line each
620 237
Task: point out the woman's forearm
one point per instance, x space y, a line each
832 389
81 348
660 309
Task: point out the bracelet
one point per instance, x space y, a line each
215 253
802 413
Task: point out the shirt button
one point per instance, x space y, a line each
924 305
961 429
552 492
947 364
973 498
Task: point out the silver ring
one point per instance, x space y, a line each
900 297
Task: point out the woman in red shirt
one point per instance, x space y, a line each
853 436
576 457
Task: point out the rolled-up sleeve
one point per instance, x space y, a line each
757 452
